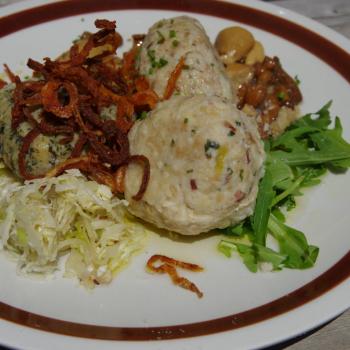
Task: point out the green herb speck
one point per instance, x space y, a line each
162 62
172 33
281 96
142 116
241 172
161 37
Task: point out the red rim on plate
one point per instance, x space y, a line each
312 42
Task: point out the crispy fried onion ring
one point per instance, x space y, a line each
71 93
115 155
101 174
51 100
144 162
169 267
89 165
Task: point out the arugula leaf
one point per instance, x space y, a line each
226 247
311 174
321 122
279 170
293 243
253 255
295 160
265 254
263 207
248 256
310 142
237 230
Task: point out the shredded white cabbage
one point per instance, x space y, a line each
44 219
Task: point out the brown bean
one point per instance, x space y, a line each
255 95
265 77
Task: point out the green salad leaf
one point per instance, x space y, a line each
261 214
295 160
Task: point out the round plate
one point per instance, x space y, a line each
142 311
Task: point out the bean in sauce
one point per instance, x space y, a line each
269 89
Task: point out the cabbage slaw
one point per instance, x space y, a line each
45 219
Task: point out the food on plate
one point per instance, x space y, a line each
273 94
44 219
46 150
170 133
75 113
206 159
265 91
170 39
296 160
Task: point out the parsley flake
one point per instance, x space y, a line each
162 62
141 116
281 96
161 37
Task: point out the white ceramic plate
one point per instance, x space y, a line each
138 303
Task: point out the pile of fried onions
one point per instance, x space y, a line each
71 94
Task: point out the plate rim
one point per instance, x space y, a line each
342 67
